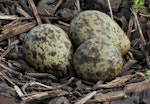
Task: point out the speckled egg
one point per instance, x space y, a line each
47 48
93 23
97 59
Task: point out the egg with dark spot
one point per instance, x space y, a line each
47 48
93 23
97 59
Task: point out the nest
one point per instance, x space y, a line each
20 83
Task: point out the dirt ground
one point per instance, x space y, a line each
20 83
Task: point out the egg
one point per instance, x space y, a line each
47 48
97 59
93 23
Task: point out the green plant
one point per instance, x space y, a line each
147 75
138 4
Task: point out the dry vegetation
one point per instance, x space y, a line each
20 83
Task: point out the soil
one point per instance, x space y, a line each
21 84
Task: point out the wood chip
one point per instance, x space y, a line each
10 32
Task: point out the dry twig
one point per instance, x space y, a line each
86 98
111 13
142 38
57 5
35 11
8 17
139 27
118 82
110 96
39 95
78 5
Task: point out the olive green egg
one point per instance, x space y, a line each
93 23
97 59
47 48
